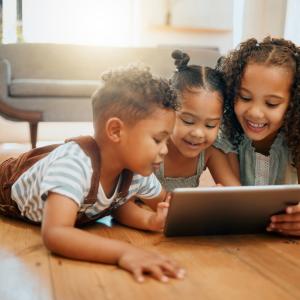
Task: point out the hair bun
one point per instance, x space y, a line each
181 59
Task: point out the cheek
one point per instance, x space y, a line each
238 109
278 117
212 135
179 129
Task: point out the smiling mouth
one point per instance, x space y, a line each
255 126
193 144
156 165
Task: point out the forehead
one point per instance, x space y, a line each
201 102
270 79
160 120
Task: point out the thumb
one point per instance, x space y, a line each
168 197
162 210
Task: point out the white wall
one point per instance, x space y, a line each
292 25
264 17
243 19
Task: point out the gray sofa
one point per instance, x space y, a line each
54 82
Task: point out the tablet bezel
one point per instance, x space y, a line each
227 210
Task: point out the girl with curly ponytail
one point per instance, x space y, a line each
261 132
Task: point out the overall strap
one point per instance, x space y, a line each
92 150
125 184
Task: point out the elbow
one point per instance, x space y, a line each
50 239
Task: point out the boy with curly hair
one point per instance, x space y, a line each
133 116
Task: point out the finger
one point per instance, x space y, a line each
290 226
157 273
138 274
163 205
168 197
286 218
293 209
162 210
172 270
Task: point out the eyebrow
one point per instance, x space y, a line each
164 133
196 117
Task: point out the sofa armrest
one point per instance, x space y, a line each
6 110
5 77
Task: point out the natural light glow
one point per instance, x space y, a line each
97 22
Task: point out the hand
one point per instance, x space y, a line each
138 262
158 219
288 223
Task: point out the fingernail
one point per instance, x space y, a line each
269 229
181 273
164 279
140 279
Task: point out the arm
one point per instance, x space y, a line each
219 167
234 163
60 236
138 217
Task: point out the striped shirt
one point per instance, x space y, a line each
67 170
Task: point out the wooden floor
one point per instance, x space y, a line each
229 267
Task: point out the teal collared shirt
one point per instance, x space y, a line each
258 169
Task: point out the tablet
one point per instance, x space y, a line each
227 210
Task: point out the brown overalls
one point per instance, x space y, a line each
13 168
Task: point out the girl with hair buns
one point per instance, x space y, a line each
262 118
201 91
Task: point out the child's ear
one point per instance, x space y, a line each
113 128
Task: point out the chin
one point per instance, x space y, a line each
256 137
144 173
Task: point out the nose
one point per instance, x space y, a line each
198 133
164 150
255 112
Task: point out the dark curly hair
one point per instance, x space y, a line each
269 52
131 93
187 77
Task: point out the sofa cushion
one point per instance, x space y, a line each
52 88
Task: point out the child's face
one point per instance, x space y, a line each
145 143
262 101
198 121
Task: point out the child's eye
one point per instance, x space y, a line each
245 98
157 141
188 122
210 126
272 105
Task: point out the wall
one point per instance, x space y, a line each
242 20
264 17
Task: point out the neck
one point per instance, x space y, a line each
111 167
264 145
177 165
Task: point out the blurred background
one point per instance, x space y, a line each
217 24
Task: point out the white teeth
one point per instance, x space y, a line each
256 125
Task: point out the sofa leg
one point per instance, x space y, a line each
33 134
